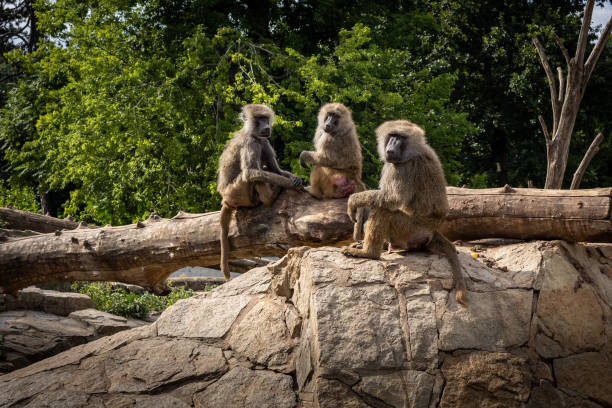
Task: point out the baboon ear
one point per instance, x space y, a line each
243 116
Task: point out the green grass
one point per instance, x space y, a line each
120 302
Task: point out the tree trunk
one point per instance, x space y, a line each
23 220
566 100
147 252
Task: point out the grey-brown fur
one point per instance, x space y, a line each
248 172
410 204
336 161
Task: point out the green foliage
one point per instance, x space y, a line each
22 197
120 302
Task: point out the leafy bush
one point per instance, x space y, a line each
119 301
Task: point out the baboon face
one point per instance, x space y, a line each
262 126
331 122
394 148
399 140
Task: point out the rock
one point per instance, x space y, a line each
589 374
482 379
563 303
29 336
255 282
401 389
423 331
165 361
318 329
331 393
546 395
349 319
263 337
48 301
242 387
200 316
103 323
492 321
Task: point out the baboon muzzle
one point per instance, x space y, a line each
393 149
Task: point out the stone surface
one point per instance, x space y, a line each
48 301
354 318
589 374
399 389
331 393
421 320
29 336
242 387
255 282
165 361
262 335
561 315
492 321
483 379
546 395
318 329
103 323
201 317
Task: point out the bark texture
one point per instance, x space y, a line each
147 252
24 220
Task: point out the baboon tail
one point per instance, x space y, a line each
224 220
440 244
362 216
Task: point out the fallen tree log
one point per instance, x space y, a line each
147 252
24 220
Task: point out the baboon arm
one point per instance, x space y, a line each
269 158
251 162
316 159
373 198
257 175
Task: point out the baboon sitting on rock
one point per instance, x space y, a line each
410 204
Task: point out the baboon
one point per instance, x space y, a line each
410 204
248 172
337 161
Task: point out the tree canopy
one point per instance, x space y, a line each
122 107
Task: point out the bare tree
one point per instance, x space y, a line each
566 100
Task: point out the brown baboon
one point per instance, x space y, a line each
410 204
248 172
337 161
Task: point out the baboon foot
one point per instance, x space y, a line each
311 193
359 253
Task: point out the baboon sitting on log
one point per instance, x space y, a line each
410 204
337 161
248 172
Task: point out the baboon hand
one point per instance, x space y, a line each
351 210
303 160
296 182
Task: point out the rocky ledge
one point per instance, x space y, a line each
320 329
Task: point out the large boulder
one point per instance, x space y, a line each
318 329
48 301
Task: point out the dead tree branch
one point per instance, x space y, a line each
586 160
